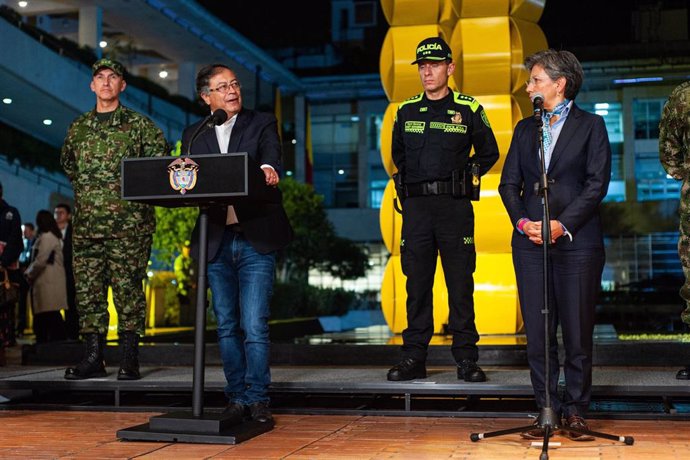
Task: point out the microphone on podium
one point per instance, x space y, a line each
218 117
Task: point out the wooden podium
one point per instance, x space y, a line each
191 181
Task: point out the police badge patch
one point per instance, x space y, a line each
485 119
457 118
183 174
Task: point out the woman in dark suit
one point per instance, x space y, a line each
578 165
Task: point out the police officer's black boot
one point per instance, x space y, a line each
469 371
129 364
684 374
92 365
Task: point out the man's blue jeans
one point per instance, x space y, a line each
241 282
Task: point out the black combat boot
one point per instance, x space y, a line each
129 363
92 365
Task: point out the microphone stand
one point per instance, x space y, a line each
548 419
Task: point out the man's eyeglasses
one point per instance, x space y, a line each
224 88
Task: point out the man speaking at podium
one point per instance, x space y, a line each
242 243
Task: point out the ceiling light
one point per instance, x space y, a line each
103 43
22 4
163 74
638 80
47 122
7 100
341 171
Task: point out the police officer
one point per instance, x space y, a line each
432 137
111 237
674 153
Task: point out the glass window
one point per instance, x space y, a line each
651 179
612 113
646 117
335 141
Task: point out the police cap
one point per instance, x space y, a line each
433 49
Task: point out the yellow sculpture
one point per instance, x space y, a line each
489 39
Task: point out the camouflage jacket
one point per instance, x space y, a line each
674 133
91 157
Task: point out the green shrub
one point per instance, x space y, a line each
293 300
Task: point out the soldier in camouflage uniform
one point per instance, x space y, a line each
112 238
674 153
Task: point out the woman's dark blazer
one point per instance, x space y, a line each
579 174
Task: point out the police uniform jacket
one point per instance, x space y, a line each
433 138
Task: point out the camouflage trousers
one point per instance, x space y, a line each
121 264
684 253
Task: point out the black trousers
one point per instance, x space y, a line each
71 314
22 311
433 225
49 327
574 284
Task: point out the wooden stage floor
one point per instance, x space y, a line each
91 435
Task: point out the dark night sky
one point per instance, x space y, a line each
276 24
588 23
568 24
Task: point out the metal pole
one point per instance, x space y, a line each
200 321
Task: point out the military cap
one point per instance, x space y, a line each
433 49
106 63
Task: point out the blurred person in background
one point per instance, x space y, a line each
63 217
46 276
11 246
28 238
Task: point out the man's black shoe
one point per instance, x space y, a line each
684 374
407 369
470 372
234 412
260 412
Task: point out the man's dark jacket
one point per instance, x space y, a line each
264 224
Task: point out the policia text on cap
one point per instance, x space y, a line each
432 137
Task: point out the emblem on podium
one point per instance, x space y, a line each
183 174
